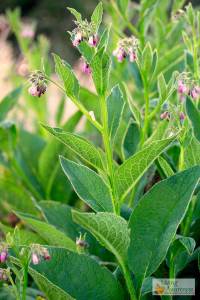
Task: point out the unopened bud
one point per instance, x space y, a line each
35 258
165 115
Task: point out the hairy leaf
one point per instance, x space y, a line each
88 185
194 116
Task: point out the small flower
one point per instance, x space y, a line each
165 115
77 39
86 68
28 31
195 92
81 243
3 252
120 54
182 117
38 86
182 88
132 56
35 259
38 253
93 40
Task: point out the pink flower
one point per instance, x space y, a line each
182 88
28 31
33 91
121 55
93 40
195 92
77 39
46 254
165 115
86 68
35 259
132 56
3 256
182 116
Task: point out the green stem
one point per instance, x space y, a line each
25 281
14 287
79 105
146 116
108 150
181 158
129 282
188 220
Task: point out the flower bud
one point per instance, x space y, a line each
182 88
3 256
86 68
28 31
3 275
46 254
77 39
93 40
165 115
81 243
182 116
35 258
132 56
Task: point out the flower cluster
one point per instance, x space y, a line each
38 253
84 32
127 47
81 243
28 31
3 252
38 84
187 86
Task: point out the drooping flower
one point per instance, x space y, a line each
182 117
38 82
182 87
77 39
93 40
38 253
132 56
165 115
195 92
86 68
3 252
35 258
28 31
127 47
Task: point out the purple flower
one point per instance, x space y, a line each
86 68
182 88
195 92
3 256
132 56
46 254
33 91
93 40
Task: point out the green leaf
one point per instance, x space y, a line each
188 242
8 136
104 39
100 65
48 232
82 147
60 216
155 220
115 107
128 174
86 51
76 14
165 167
123 6
89 186
192 153
194 116
79 276
96 17
147 59
66 74
131 140
8 102
109 229
52 177
162 87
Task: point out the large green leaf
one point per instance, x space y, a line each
82 147
128 174
66 74
8 102
100 71
48 232
155 220
88 185
109 229
79 276
60 216
194 116
115 106
192 153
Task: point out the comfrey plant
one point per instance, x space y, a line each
103 212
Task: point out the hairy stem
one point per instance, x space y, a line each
25 281
146 116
